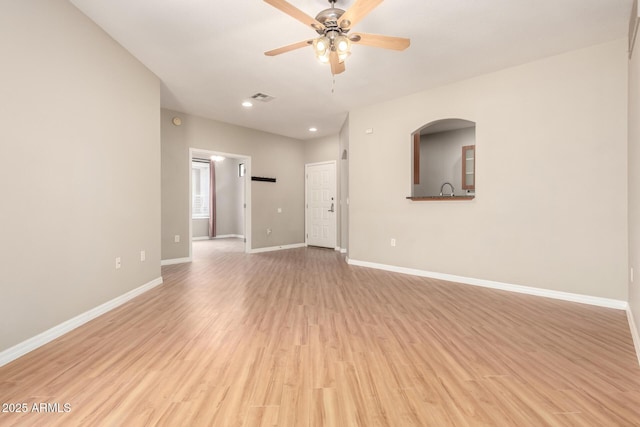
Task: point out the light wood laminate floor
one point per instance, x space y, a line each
300 338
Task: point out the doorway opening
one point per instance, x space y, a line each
220 197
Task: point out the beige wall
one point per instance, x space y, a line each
175 186
551 204
200 227
79 168
321 149
634 183
271 156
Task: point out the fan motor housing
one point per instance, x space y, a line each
329 18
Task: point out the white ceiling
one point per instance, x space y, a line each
209 53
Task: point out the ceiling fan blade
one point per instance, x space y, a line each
337 67
376 40
295 13
289 48
356 12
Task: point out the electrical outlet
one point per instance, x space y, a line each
176 238
279 210
268 231
143 255
393 242
118 263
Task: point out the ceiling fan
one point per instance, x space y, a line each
333 25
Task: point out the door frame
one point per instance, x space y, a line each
306 203
247 195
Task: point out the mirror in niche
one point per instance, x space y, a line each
444 154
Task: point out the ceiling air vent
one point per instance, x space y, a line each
262 97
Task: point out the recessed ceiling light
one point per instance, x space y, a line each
313 129
247 104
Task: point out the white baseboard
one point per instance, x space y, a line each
566 296
175 261
222 236
49 335
634 332
277 248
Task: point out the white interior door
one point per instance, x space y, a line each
321 204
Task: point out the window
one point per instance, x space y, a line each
200 189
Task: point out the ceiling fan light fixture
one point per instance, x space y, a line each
322 48
333 26
321 45
343 44
343 47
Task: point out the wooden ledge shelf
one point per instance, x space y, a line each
430 198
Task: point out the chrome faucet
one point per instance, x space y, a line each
450 185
